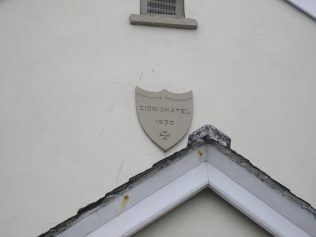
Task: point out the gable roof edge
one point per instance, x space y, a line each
205 135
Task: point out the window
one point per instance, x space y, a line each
165 13
162 7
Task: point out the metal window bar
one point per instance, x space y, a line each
161 7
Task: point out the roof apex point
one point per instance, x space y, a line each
207 133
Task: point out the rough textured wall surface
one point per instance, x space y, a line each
68 126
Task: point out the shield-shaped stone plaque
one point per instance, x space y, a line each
164 116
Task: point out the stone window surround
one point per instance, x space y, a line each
176 21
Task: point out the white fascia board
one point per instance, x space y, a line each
138 192
207 161
155 205
307 6
273 196
187 185
253 207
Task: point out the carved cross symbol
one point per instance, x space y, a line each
164 135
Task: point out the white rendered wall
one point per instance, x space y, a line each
210 210
68 69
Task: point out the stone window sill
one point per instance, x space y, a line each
164 21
